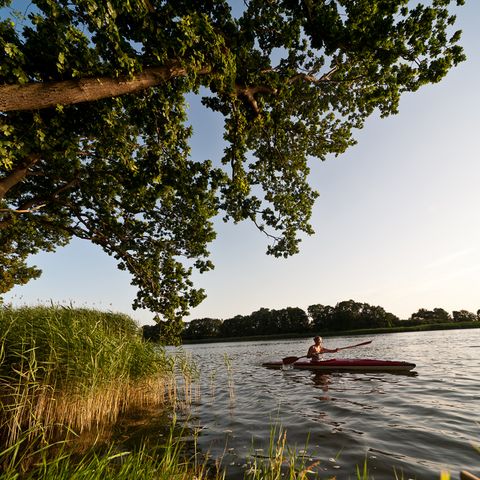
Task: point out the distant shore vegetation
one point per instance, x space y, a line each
345 317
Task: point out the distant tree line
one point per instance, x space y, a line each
345 315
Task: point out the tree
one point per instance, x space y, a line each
293 320
262 322
437 315
151 332
94 133
321 316
464 316
238 326
162 332
347 315
203 328
376 317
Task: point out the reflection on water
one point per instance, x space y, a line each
322 380
418 424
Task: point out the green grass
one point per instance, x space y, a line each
87 346
165 461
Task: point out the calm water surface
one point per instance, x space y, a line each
414 425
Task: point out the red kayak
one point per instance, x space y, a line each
347 364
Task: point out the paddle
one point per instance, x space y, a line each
289 360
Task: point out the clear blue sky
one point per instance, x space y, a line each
397 221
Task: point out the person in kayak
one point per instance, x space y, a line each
317 349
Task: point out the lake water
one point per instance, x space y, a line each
405 426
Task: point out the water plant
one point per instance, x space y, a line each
187 375
230 380
164 461
64 369
362 472
281 462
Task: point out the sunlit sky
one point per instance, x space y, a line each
397 222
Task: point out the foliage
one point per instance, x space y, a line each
345 316
348 315
464 316
265 322
109 161
437 315
203 328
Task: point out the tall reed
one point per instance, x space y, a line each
73 369
187 375
231 382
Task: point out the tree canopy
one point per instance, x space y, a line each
94 135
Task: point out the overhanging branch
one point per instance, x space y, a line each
34 204
35 96
17 174
27 210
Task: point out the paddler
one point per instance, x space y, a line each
317 349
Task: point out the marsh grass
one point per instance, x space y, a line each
282 462
362 472
165 460
212 379
230 379
186 388
68 370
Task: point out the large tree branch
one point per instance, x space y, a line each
34 96
27 210
250 92
17 174
96 235
34 205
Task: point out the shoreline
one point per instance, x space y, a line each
339 333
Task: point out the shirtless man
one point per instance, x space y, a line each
316 350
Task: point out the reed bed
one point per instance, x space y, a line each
65 369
